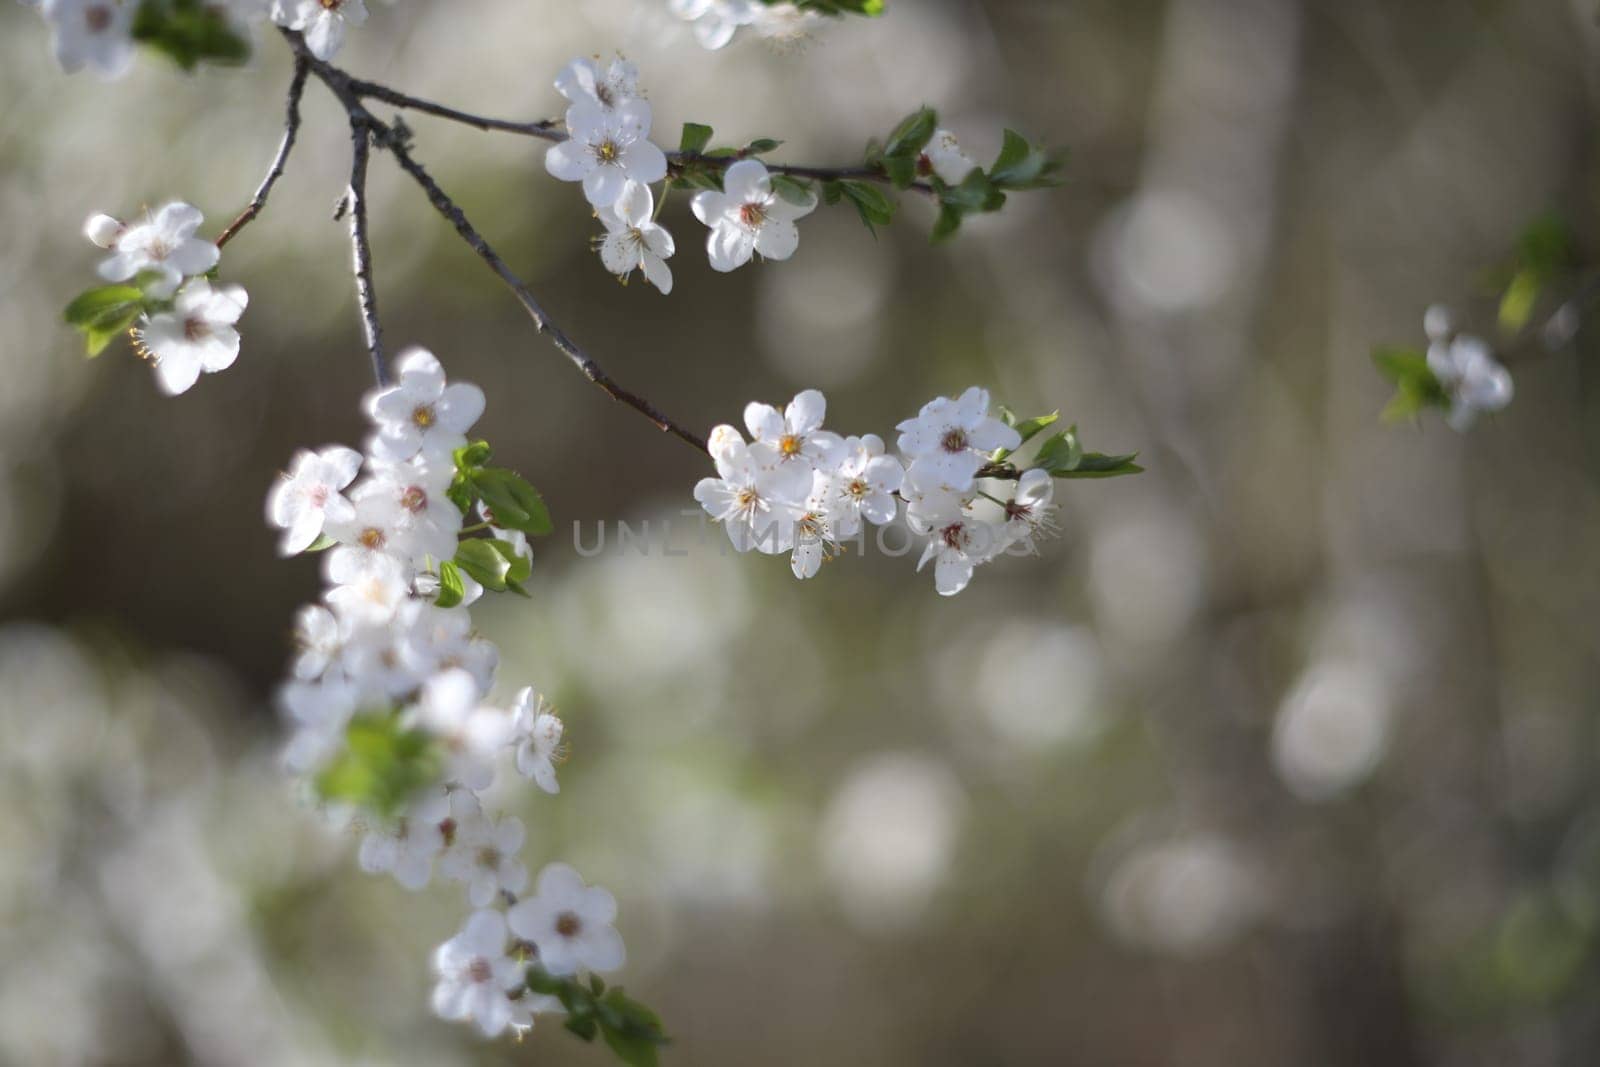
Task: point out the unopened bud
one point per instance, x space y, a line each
102 230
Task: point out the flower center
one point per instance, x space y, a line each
858 489
954 536
954 440
423 415
478 970
607 151
331 5
568 924
372 538
753 214
489 856
748 499
97 18
414 500
447 830
809 527
789 444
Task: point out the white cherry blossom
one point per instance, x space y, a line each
757 503
863 485
163 245
1465 366
1030 511
421 413
795 434
92 33
322 22
536 734
472 733
484 858
407 847
605 149
634 240
570 923
749 216
944 159
950 437
715 21
196 336
583 80
476 976
310 496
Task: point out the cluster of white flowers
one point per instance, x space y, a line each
608 149
716 22
1466 368
379 647
796 488
188 325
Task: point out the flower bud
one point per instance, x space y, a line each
102 230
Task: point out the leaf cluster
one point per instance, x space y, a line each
629 1028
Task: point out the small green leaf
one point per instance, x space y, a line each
382 765
1416 388
486 566
1028 429
871 202
513 503
189 32
452 590
695 138
1095 465
760 146
1021 165
1060 453
912 135
1519 300
794 190
108 329
96 304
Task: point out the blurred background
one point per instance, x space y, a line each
1284 753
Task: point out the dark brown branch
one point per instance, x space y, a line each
291 129
361 246
545 129
343 88
552 130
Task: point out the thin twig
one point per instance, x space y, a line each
361 246
291 129
553 130
545 129
343 88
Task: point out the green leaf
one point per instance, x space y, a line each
794 190
1096 465
1547 246
900 170
382 765
1416 388
321 544
912 135
760 146
1028 429
1021 165
452 590
1061 453
95 304
695 138
946 225
1519 300
975 193
189 32
513 504
108 329
871 202
869 8
493 564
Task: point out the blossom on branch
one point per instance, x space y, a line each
749 216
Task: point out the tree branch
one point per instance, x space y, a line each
364 125
361 245
291 129
552 130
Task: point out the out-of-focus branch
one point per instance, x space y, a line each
368 130
291 129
